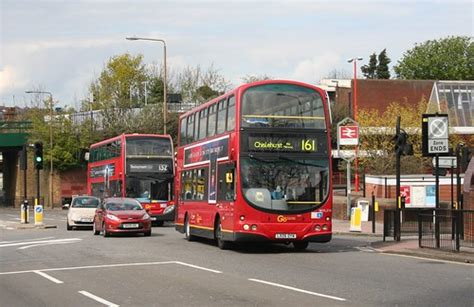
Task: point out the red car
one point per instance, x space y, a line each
121 215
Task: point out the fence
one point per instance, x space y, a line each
408 222
446 229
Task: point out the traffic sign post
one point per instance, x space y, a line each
347 134
435 142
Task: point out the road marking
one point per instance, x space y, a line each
26 240
49 277
45 244
110 266
298 290
37 242
423 258
197 267
98 299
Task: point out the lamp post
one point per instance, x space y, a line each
165 109
50 142
356 163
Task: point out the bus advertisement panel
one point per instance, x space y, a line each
135 165
254 165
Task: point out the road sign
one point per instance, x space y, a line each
446 162
438 146
348 135
437 128
435 134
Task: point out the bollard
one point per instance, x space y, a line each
38 213
24 212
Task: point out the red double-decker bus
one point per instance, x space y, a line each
135 165
255 165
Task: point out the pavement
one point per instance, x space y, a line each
407 246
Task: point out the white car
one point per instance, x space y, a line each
81 211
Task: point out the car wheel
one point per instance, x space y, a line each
300 245
147 233
187 230
68 227
104 231
94 229
219 236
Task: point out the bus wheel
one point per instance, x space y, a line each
300 245
218 235
187 230
104 231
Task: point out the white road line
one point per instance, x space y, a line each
45 244
26 240
37 242
98 299
423 258
49 277
298 290
197 267
90 267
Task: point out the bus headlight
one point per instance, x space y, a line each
246 227
328 218
254 227
168 209
317 228
325 227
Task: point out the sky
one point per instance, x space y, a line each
61 46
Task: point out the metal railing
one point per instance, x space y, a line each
446 229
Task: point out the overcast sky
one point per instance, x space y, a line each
61 46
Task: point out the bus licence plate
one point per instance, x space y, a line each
135 225
285 236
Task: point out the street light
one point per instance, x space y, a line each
165 109
356 163
50 142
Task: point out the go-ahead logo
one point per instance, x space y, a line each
282 219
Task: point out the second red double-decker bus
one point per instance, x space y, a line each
135 165
255 165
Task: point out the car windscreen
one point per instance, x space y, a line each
85 202
122 206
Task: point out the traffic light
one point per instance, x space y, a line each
39 155
402 147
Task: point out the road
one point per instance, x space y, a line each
55 267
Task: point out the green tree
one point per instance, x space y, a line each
382 71
370 69
450 58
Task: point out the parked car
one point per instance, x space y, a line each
81 211
121 215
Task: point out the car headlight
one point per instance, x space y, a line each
168 209
145 216
112 217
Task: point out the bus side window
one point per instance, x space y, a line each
226 182
221 117
183 135
231 114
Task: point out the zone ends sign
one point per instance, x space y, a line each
435 134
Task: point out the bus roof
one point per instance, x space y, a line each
245 86
125 135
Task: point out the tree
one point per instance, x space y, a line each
338 74
379 144
255 78
450 58
382 71
370 70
